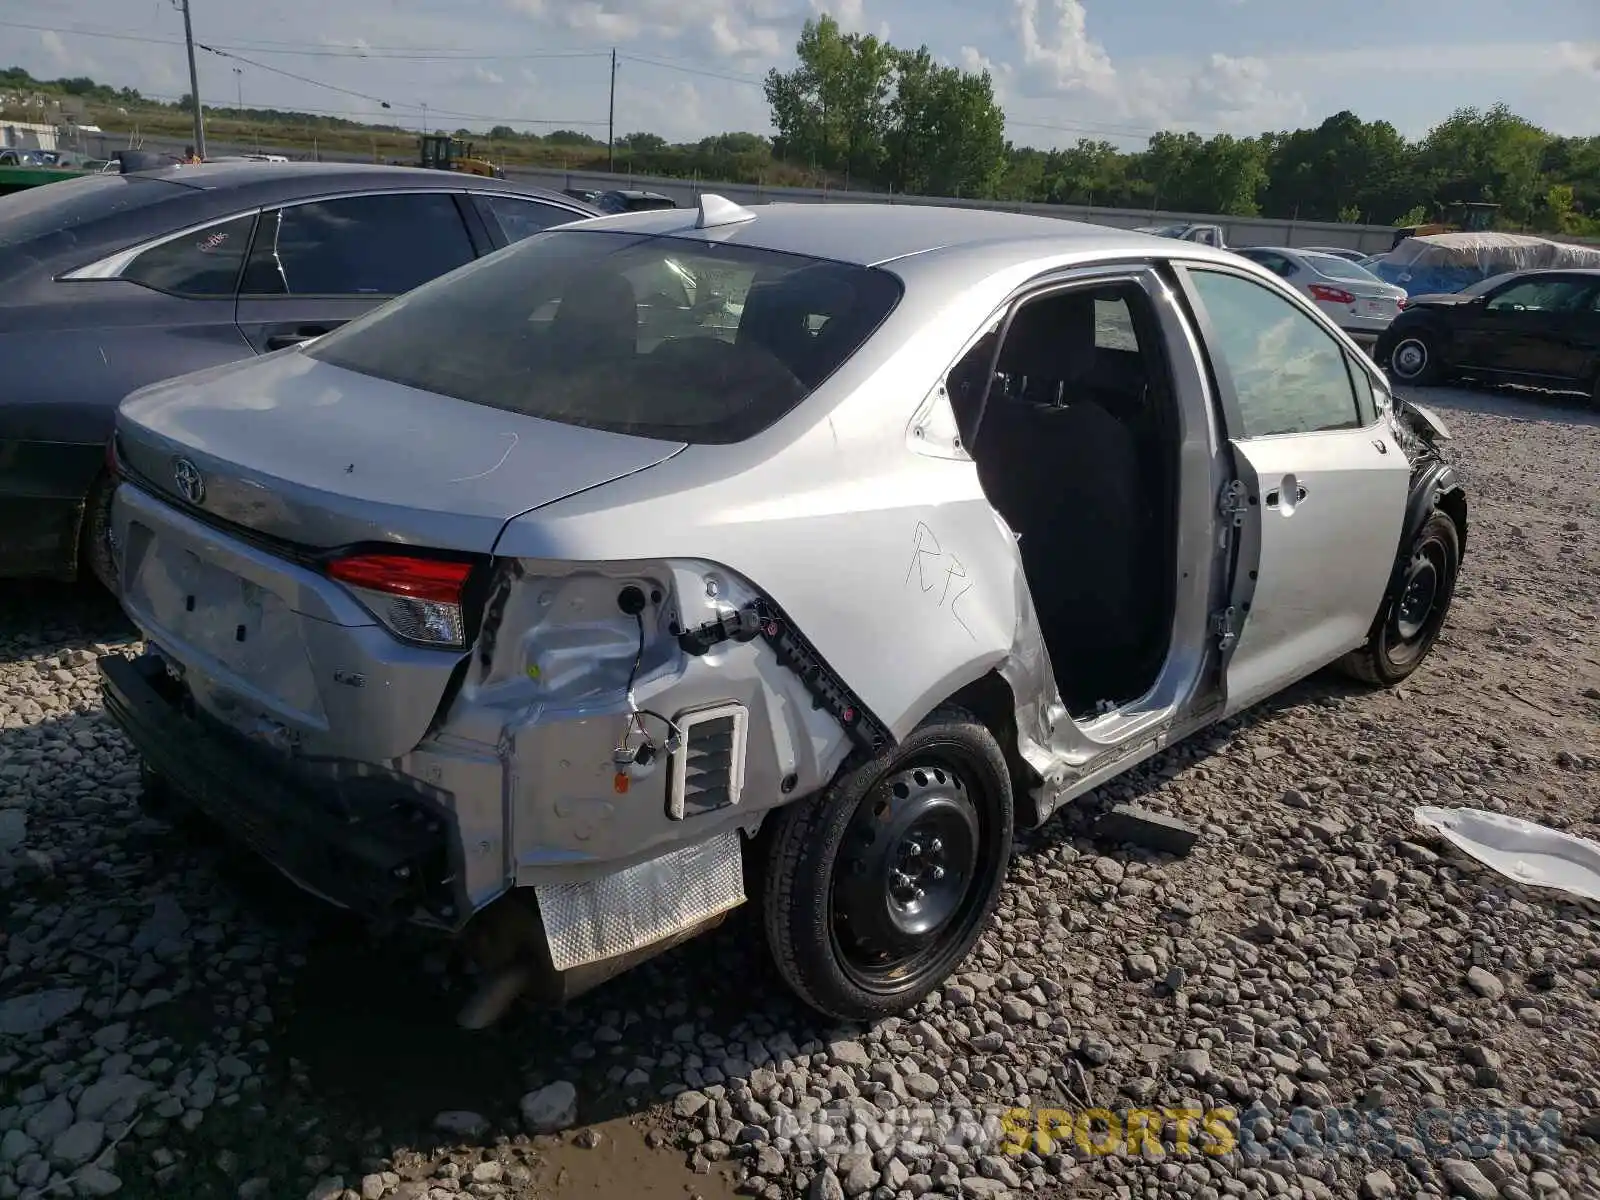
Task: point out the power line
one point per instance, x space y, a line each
332 87
747 80
313 110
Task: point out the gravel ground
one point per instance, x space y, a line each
1371 1009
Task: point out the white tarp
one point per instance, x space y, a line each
1520 850
1499 251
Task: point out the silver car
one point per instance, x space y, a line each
1355 299
511 612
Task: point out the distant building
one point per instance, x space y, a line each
22 135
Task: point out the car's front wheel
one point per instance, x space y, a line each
1415 359
1414 612
876 889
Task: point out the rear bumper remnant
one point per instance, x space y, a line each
370 844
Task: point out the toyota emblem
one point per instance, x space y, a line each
190 483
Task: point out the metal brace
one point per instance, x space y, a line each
1232 503
1225 627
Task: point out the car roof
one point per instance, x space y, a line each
875 234
293 178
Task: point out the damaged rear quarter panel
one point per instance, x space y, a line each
544 696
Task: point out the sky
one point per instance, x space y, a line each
1116 70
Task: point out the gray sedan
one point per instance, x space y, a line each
117 280
550 605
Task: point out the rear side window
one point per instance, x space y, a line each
651 336
204 263
519 218
379 245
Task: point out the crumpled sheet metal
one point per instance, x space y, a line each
1521 850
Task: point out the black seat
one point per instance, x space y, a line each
1066 475
597 320
780 317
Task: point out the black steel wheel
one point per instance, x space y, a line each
876 889
1415 609
1415 360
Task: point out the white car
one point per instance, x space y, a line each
1355 299
1345 253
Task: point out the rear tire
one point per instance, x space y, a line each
95 557
877 889
1415 360
1414 612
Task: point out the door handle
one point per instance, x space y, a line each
280 340
1275 497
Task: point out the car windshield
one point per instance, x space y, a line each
1484 285
1334 267
652 336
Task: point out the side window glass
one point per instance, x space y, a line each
969 379
357 246
520 218
1366 404
1113 325
203 263
1289 375
1537 295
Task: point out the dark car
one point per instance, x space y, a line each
111 282
620 201
1539 327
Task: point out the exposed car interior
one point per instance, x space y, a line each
1074 432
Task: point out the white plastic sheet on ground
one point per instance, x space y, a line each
1521 850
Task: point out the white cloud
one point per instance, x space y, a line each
1061 61
729 28
851 15
1058 55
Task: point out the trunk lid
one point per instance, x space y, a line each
312 454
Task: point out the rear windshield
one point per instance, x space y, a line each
57 208
653 336
1334 267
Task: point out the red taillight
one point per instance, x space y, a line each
1332 295
419 599
434 579
1400 303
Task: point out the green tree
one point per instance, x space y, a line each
1494 156
1314 173
831 111
946 134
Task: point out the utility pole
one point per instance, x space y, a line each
238 78
194 86
611 119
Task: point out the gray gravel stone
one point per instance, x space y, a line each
551 1108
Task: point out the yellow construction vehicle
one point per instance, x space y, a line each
440 152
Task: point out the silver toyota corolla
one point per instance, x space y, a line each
810 548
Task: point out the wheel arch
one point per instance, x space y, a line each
1436 486
990 699
1437 330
